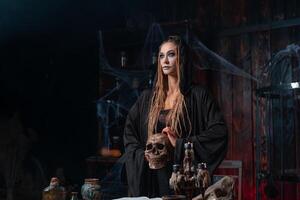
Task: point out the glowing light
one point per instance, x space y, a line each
295 85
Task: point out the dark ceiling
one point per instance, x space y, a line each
33 15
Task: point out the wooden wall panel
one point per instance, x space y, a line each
279 40
223 82
242 125
278 8
236 95
297 132
296 39
260 54
264 10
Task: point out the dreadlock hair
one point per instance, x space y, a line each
179 111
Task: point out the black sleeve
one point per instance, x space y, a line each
134 150
210 144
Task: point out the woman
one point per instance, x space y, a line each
179 109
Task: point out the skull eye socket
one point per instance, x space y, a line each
160 146
149 146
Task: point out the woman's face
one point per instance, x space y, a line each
167 58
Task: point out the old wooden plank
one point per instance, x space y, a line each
278 10
252 12
297 6
279 40
224 82
291 9
260 54
264 11
231 13
242 115
260 27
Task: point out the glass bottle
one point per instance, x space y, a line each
90 190
54 191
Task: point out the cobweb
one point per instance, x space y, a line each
214 61
115 104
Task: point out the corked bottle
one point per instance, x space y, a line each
54 191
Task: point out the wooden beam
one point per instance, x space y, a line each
260 27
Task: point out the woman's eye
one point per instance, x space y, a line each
171 54
161 56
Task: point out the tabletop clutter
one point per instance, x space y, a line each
188 181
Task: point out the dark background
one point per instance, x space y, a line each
49 72
49 53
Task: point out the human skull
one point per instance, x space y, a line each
221 190
158 150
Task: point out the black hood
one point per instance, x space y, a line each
186 67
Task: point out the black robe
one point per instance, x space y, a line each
209 137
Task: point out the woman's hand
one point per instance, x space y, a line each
171 135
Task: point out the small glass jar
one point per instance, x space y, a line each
90 190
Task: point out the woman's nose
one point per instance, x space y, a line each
166 60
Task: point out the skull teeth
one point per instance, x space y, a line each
157 163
